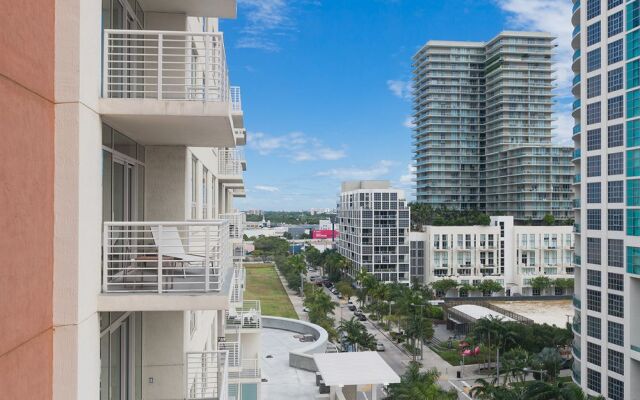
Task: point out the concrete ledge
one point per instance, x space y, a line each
302 357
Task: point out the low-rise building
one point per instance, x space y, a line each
502 252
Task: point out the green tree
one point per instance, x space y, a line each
346 289
549 220
444 285
540 283
549 361
563 283
417 385
489 286
313 256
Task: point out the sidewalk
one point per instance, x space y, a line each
296 300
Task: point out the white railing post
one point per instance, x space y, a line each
207 272
207 51
105 260
160 66
160 278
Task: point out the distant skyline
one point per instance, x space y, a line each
326 86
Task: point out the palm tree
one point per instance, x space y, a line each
352 330
416 385
549 360
298 265
515 364
538 390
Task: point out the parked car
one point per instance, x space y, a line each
351 307
349 302
305 309
379 346
357 312
361 317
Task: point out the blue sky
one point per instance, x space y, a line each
325 85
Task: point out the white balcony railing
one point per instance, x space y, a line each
245 316
157 257
233 350
167 65
249 369
236 224
230 161
236 98
207 375
236 295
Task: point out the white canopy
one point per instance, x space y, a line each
357 368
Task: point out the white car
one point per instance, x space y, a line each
379 346
305 309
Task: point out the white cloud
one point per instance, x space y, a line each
401 89
266 19
408 123
407 179
296 146
375 171
563 129
266 188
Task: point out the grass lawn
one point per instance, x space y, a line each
263 284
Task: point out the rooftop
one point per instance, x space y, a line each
361 368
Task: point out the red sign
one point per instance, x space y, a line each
324 234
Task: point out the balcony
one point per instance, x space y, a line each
217 8
231 164
207 375
576 350
237 222
245 316
236 107
236 295
577 179
240 135
576 322
575 16
167 87
577 261
576 154
576 203
249 370
576 228
147 265
577 303
576 129
233 352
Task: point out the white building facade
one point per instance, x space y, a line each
502 252
606 156
148 282
374 222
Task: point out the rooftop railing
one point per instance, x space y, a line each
158 257
165 65
207 375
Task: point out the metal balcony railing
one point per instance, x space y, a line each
207 375
245 316
237 286
236 98
249 369
157 257
230 161
233 350
164 65
236 224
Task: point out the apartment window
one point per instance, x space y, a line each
615 52
594 327
615 388
615 107
633 45
616 305
615 252
633 15
633 74
615 220
615 79
593 60
593 250
593 192
615 281
615 333
633 133
593 380
593 166
194 188
633 103
633 259
593 278
615 163
615 135
633 192
615 192
615 23
594 86
594 353
633 163
633 222
613 3
593 8
615 361
593 33
593 113
593 300
594 219
593 139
